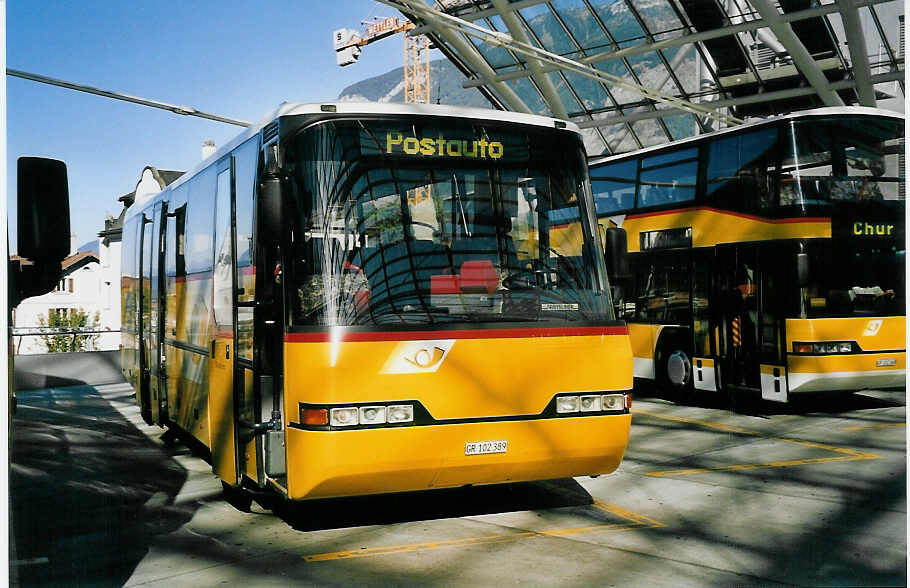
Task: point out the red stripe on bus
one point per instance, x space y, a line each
731 213
802 220
366 336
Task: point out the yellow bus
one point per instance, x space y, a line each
351 299
765 259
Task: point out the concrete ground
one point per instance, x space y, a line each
813 494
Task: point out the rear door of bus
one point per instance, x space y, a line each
750 293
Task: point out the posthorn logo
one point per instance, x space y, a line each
872 328
415 357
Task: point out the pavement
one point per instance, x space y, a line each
812 493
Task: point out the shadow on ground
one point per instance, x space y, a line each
803 404
57 370
88 490
385 509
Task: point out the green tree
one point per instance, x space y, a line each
70 322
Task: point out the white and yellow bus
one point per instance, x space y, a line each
363 298
767 258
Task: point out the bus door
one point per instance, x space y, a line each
238 447
262 412
773 297
145 278
735 314
222 377
158 380
151 366
248 389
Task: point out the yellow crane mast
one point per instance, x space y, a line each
349 44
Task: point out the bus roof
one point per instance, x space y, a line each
323 110
815 112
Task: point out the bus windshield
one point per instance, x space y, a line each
416 223
849 158
852 278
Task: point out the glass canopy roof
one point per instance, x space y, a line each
636 73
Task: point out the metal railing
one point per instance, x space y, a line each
29 340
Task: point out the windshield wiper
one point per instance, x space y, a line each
464 219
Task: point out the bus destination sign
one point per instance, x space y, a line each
866 229
398 143
873 227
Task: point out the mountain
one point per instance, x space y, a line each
90 246
625 30
445 88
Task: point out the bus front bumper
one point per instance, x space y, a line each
323 464
846 372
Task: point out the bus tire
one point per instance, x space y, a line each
675 374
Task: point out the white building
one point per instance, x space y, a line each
87 284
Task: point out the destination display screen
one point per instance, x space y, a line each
872 222
440 146
433 139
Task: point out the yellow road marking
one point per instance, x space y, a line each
635 521
627 514
846 454
710 425
878 426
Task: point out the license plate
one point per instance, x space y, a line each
885 362
481 447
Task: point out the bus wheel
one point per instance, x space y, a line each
676 374
237 497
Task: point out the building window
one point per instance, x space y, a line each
65 285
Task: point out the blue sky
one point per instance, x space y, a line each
237 59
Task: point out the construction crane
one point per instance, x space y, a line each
349 44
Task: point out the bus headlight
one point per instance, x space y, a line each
566 404
401 413
614 401
826 347
343 417
372 415
590 403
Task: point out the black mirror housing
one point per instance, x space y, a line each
43 224
616 250
802 269
43 219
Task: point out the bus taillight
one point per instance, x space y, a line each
314 416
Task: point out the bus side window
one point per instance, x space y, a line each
614 186
669 177
199 256
740 171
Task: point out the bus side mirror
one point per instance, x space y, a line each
43 223
802 269
617 253
270 212
43 227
